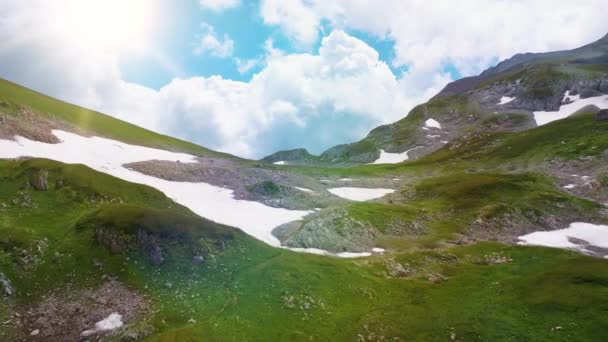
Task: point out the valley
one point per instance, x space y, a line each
481 215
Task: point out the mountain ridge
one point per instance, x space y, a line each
543 68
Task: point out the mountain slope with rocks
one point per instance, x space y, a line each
502 98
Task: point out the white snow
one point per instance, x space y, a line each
378 250
505 99
303 189
346 179
595 235
432 123
108 156
569 186
113 321
393 158
346 255
281 162
543 118
570 98
360 194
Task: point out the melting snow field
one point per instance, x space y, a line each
303 189
432 123
113 321
505 99
543 118
591 234
360 194
108 156
393 158
282 162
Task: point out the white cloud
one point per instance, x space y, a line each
243 66
300 99
310 100
294 17
210 43
219 5
429 34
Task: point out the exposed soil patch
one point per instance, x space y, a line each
28 124
63 317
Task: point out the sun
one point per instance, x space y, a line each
110 24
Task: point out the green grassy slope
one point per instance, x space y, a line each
247 290
94 122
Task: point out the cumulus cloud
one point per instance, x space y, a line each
428 35
313 100
243 66
219 5
210 43
295 18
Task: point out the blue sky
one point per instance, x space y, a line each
254 77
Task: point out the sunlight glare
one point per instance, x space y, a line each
110 24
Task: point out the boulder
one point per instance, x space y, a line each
7 287
602 115
604 86
198 259
39 181
589 92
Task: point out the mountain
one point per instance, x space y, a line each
112 232
528 83
299 155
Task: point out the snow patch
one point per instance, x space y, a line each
360 194
347 179
113 321
505 99
432 123
345 255
569 186
378 250
570 98
543 118
281 162
594 235
303 189
108 156
393 158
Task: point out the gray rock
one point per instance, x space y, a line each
589 92
40 180
602 115
604 86
198 259
9 290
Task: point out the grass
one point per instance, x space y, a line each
247 290
13 95
255 292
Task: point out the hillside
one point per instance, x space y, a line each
112 232
502 98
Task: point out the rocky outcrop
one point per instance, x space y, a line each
299 155
333 230
602 115
359 152
120 242
39 180
7 287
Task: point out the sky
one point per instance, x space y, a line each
254 77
